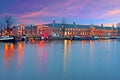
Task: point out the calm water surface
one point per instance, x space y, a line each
60 60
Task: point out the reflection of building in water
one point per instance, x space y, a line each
65 53
67 45
91 51
20 53
32 41
83 49
45 60
8 52
42 55
83 42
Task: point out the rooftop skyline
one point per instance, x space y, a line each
44 11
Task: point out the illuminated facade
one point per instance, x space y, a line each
31 30
67 30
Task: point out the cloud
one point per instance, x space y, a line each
39 10
111 13
69 8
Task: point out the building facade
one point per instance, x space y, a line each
67 30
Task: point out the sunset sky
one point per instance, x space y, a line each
45 11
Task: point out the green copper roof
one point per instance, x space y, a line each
58 25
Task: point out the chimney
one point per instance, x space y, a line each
113 26
74 23
53 21
101 25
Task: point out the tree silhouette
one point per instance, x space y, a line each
8 22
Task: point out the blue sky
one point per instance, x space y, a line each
44 11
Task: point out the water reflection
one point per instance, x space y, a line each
82 51
91 51
42 54
45 60
40 51
32 41
67 47
20 51
8 52
83 41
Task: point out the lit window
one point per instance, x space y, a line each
65 33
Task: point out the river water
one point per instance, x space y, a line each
60 60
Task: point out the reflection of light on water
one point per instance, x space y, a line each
40 49
42 55
91 51
32 41
11 50
8 52
65 53
6 55
101 40
83 41
20 53
83 44
45 60
108 40
52 44
84 47
11 47
108 48
67 44
40 44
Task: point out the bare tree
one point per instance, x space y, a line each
8 22
1 27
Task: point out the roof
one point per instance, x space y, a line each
30 27
59 25
104 27
15 27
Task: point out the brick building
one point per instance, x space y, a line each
66 30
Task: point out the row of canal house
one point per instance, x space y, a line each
64 30
30 30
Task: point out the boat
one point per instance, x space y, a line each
85 38
23 38
76 38
105 38
7 39
114 37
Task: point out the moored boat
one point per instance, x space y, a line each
84 38
7 39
